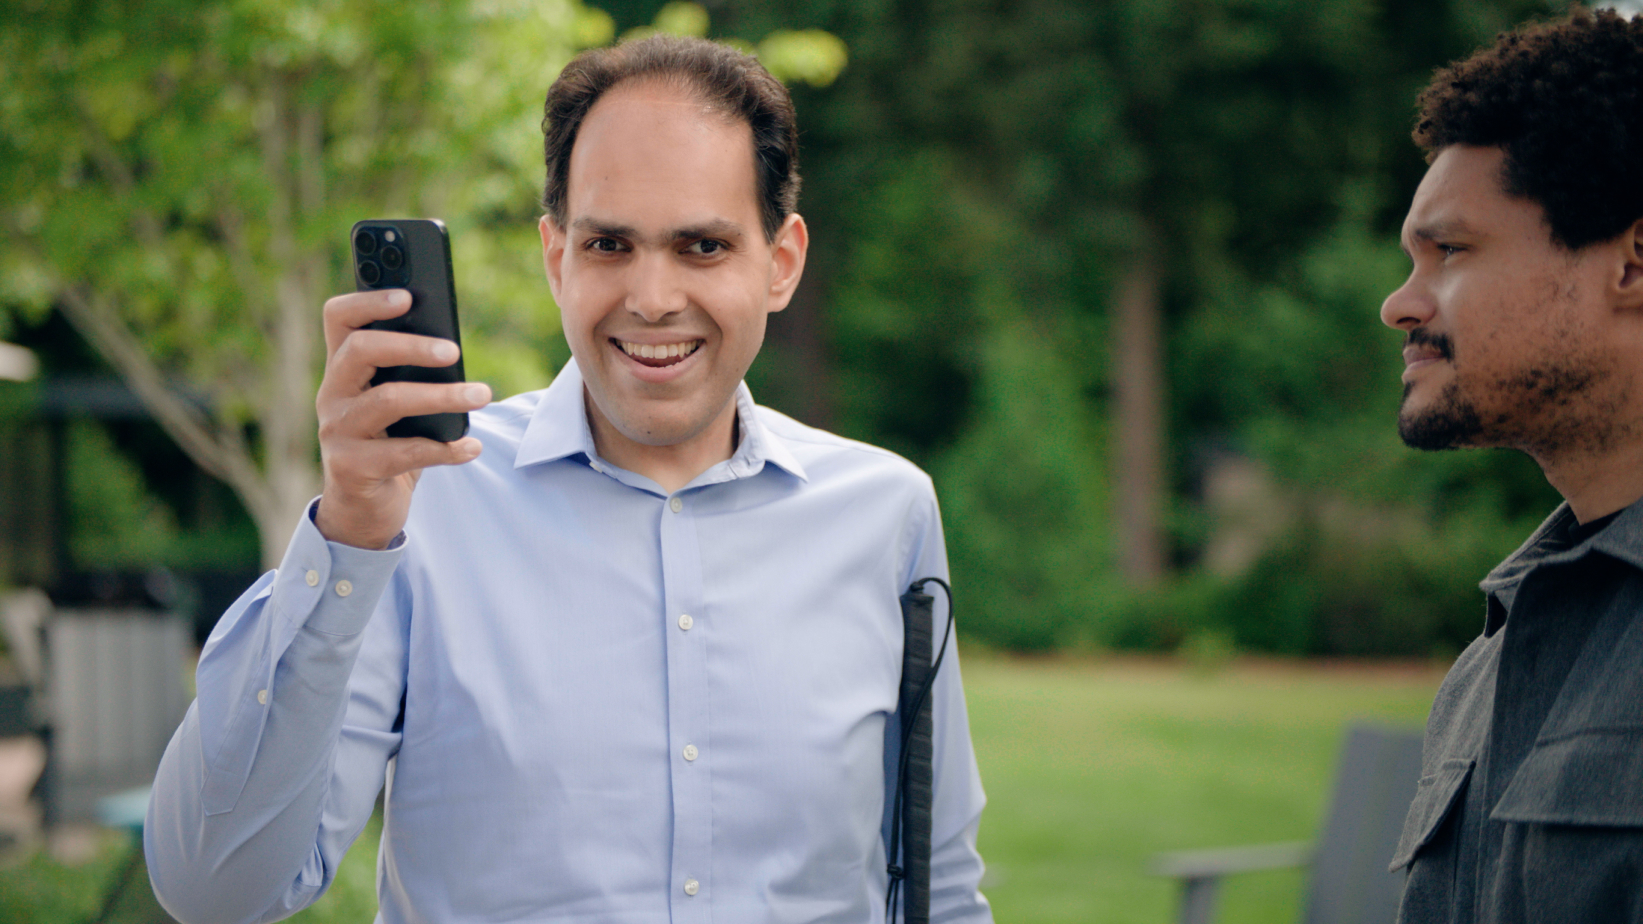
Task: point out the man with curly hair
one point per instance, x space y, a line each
1523 322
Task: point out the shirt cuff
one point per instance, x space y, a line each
336 585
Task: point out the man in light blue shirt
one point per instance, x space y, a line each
632 653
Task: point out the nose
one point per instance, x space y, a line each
1409 306
655 289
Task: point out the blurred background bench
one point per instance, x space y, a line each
1349 882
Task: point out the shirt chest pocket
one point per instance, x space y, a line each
1590 777
1435 797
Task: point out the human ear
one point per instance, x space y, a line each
553 252
1631 272
787 260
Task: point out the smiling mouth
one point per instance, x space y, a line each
659 354
1422 345
1416 355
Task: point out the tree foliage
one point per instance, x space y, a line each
984 178
179 179
988 167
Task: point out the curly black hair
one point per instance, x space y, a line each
1564 99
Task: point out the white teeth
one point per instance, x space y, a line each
659 351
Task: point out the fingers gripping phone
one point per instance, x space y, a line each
415 255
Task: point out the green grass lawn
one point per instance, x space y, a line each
1091 767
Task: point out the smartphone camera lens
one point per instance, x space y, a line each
369 272
392 257
366 243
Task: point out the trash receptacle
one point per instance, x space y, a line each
115 693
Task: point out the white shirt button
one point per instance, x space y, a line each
262 697
675 505
691 752
685 622
344 588
692 887
312 577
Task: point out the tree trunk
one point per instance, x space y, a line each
269 493
218 450
288 420
292 155
1138 389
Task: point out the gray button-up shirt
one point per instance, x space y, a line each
1530 804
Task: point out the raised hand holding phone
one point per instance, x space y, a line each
414 255
369 469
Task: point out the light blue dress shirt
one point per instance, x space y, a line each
591 700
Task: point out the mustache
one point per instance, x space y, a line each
1421 337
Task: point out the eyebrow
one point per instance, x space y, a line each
1439 230
718 227
1442 229
601 229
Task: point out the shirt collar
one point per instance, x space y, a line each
559 429
1547 542
759 445
1622 538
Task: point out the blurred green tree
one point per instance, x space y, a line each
1065 252
178 179
1147 187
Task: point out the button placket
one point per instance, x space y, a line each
687 706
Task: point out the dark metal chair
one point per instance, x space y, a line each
1349 885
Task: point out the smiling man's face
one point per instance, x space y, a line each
662 272
1506 339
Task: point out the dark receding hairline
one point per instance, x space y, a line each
724 79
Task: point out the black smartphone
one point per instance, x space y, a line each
413 254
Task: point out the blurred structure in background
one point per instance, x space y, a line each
114 690
96 636
17 364
95 642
